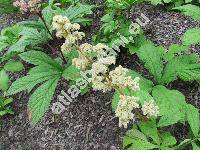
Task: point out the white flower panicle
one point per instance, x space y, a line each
99 49
119 78
101 78
107 60
65 29
78 35
86 47
150 109
124 109
81 62
98 68
100 83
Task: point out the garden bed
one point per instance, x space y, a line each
88 123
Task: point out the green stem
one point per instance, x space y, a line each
62 55
181 146
45 24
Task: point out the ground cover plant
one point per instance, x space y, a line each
52 47
7 7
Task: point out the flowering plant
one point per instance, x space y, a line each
146 104
102 78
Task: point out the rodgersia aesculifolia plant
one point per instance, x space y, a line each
135 98
103 76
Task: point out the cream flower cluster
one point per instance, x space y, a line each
119 78
81 62
124 109
99 71
115 78
127 104
150 109
65 29
25 6
100 49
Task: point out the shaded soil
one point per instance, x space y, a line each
88 123
7 20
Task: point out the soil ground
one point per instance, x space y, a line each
88 123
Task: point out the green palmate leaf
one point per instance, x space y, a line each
136 134
3 45
40 58
7 7
71 73
173 49
167 1
195 146
29 81
71 55
143 145
82 91
19 46
184 67
43 69
127 142
169 100
137 140
6 111
107 18
168 140
192 115
9 36
150 130
152 59
77 12
4 102
4 80
12 33
13 66
40 100
5 106
139 40
190 10
145 84
115 100
188 1
156 2
143 96
34 38
48 15
32 24
191 36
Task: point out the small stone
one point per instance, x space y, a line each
10 133
113 148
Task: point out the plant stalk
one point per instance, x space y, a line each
42 18
45 24
181 146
